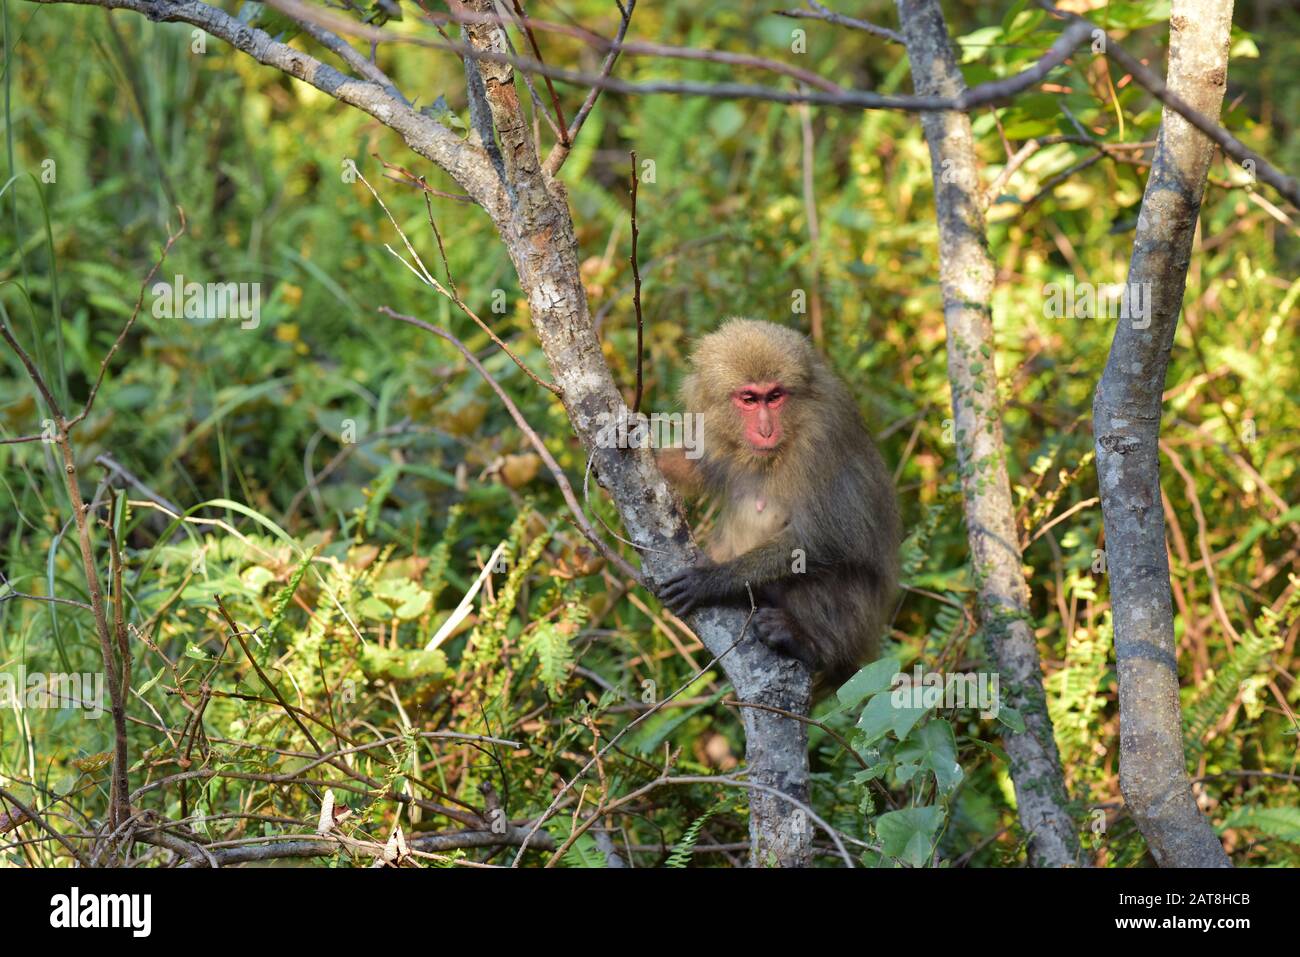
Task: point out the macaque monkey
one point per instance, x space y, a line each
809 521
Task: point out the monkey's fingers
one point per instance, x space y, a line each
679 593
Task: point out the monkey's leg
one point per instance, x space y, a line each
775 628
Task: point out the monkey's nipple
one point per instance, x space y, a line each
760 504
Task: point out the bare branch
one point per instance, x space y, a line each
562 132
435 142
560 152
360 65
427 278
636 291
820 12
1075 34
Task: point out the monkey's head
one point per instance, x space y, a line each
750 380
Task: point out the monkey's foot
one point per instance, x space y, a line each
774 628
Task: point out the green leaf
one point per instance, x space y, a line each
403 598
977 43
1012 718
379 493
1134 16
882 715
281 604
991 748
874 678
402 663
681 855
583 852
660 727
932 748
909 834
551 643
256 577
140 692
444 114
1029 128
1012 13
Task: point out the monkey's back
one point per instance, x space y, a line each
850 519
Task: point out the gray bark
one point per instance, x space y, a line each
1126 425
966 275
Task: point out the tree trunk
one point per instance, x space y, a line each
966 275
1126 424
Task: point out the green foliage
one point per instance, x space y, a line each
1279 822
1075 697
681 855
340 480
1241 672
909 835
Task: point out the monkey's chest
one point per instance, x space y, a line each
748 521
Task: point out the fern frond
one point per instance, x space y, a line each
682 851
1215 697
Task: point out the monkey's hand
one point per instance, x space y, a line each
693 587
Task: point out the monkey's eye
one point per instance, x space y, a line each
748 398
776 395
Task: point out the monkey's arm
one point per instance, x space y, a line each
713 583
682 473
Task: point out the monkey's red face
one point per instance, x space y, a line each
760 407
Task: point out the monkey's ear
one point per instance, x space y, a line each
689 393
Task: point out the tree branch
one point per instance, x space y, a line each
820 12
1077 32
422 133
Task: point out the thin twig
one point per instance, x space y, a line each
819 12
636 293
562 130
833 734
121 336
560 152
428 279
238 634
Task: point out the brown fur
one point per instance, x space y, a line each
825 492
